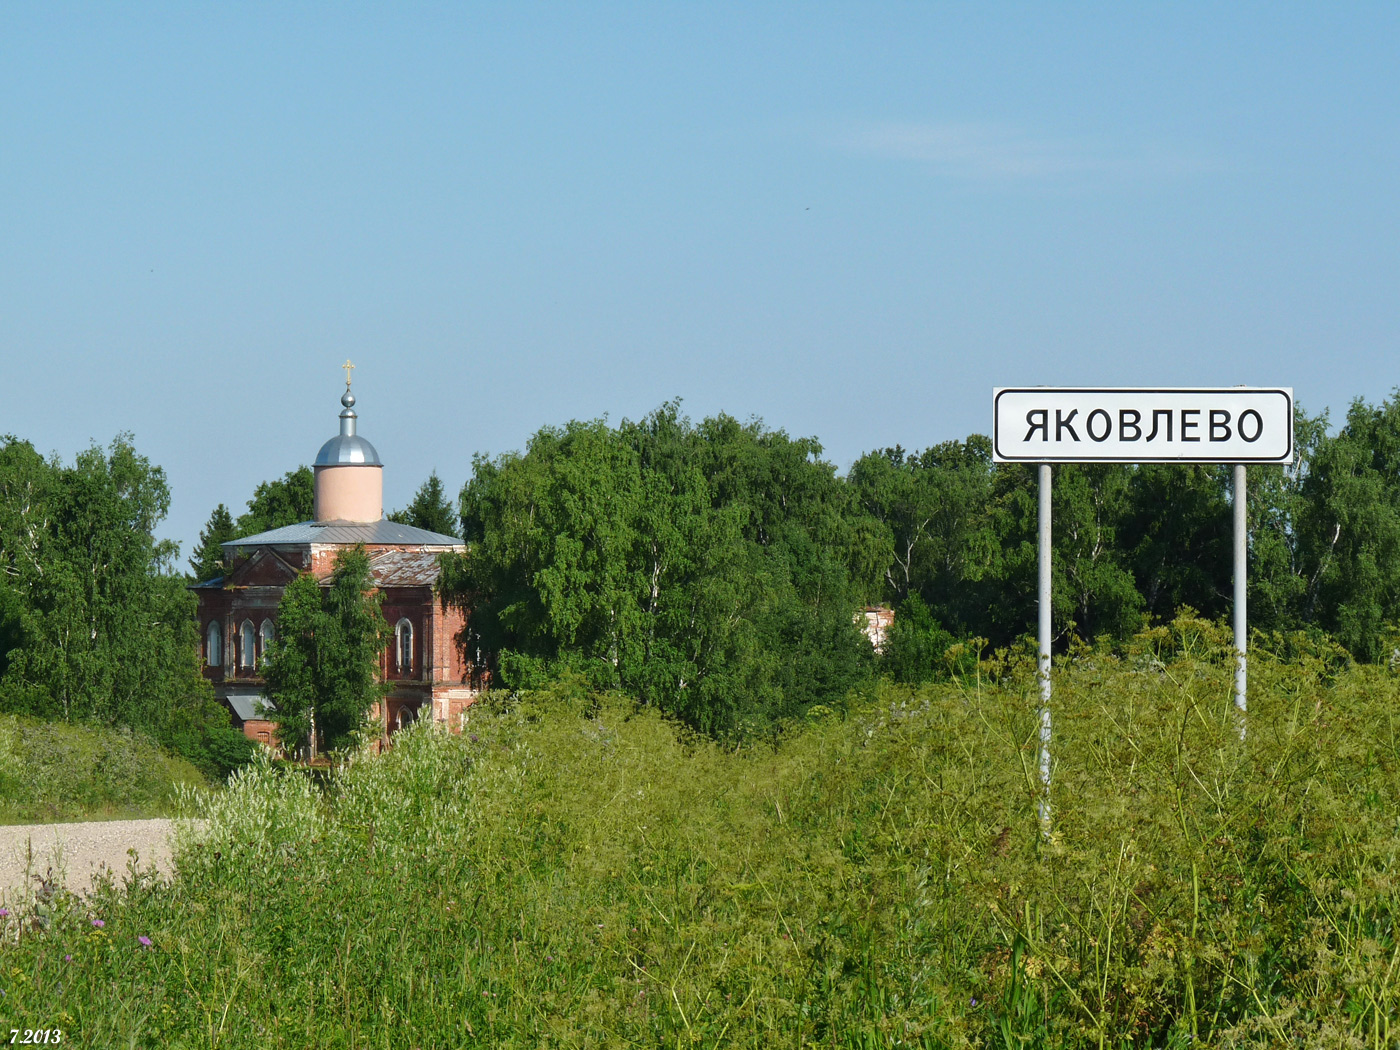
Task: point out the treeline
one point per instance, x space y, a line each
1133 544
716 569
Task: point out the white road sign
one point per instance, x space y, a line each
1140 425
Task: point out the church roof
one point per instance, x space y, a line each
347 449
404 568
346 532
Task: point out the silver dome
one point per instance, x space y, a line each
347 448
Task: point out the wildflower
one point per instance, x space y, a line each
68 958
4 912
98 923
145 941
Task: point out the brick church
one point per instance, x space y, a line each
427 673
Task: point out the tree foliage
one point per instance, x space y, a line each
1350 529
283 501
714 569
322 668
430 509
207 562
706 568
93 624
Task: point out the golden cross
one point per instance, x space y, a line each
347 366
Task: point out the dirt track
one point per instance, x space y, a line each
77 851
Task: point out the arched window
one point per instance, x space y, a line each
213 644
265 636
403 646
247 644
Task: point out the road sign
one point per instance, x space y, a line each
1046 425
1142 425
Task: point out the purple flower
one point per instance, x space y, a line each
145 941
68 958
98 923
4 912
474 738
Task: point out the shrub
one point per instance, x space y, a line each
54 771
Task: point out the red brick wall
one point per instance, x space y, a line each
413 604
261 731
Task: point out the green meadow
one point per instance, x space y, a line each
576 871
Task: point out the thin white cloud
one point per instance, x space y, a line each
1000 152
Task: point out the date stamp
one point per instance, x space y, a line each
35 1036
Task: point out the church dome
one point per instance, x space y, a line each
347 449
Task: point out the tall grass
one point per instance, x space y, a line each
574 872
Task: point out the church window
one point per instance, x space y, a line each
247 644
403 646
265 636
213 648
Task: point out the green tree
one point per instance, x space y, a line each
1094 585
292 662
706 569
915 645
287 500
1350 529
1175 534
322 670
93 625
207 563
935 510
430 509
1283 532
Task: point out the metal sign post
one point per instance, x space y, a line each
1241 594
1045 425
1043 661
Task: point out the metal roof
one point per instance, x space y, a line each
250 705
347 449
347 532
404 568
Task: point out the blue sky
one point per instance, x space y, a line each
852 220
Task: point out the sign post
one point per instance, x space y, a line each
1241 593
1043 660
1226 425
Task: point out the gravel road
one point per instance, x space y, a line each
78 850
